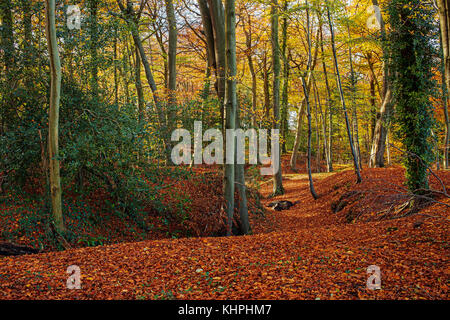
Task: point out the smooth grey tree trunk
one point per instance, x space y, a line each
231 106
53 121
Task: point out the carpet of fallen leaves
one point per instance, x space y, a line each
306 252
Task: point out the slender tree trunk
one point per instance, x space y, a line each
130 18
251 67
277 179
53 121
324 126
172 59
329 100
308 109
241 188
301 112
341 93
352 95
266 87
383 117
231 106
210 49
316 119
285 85
444 14
217 17
139 89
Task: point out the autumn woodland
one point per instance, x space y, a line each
224 150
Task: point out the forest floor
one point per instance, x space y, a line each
314 250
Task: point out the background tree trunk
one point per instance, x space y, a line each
277 179
341 92
172 63
444 15
383 117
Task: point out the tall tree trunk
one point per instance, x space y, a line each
308 109
341 93
218 21
172 59
352 95
231 106
329 100
251 67
285 85
324 127
444 14
210 49
241 188
266 87
277 179
383 116
131 20
139 89
53 120
301 112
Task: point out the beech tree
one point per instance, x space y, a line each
53 118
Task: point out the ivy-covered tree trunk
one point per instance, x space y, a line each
410 49
53 119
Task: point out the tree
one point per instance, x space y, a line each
218 20
329 100
132 20
230 109
444 14
277 179
53 119
341 93
308 109
301 112
412 23
285 86
172 60
383 116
